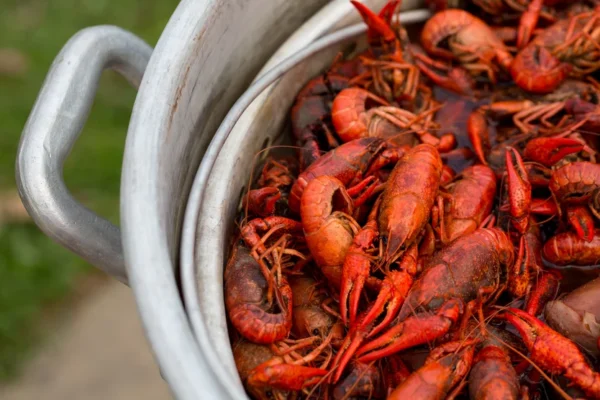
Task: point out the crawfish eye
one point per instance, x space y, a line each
269 394
316 332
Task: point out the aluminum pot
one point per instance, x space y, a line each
209 51
255 122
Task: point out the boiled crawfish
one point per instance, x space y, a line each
569 47
468 40
247 307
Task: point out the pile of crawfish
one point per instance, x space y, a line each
433 234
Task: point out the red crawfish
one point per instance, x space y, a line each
393 74
444 368
285 229
401 216
280 372
530 115
466 268
454 78
245 299
523 112
349 163
469 202
553 352
568 248
250 231
534 112
262 201
568 47
403 213
357 267
504 11
248 356
311 112
276 177
469 40
530 17
310 317
310 115
398 126
329 228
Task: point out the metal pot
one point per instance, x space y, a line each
208 53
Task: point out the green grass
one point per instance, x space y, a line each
34 271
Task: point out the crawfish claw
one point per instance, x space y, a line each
262 201
413 331
550 150
377 25
284 376
351 289
519 189
357 267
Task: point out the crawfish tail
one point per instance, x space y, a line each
245 292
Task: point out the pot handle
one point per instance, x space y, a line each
55 122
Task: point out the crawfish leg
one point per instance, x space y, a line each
331 140
545 289
519 281
270 225
362 191
488 222
441 210
389 156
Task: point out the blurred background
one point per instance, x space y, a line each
67 331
